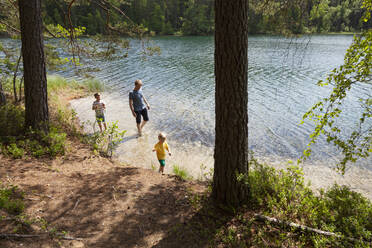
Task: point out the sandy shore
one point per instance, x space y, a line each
192 157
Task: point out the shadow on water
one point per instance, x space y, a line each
128 138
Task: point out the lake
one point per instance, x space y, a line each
179 84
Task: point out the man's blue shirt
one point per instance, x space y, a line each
137 97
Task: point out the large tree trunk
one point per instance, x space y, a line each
231 68
35 83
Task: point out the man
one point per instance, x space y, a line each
137 105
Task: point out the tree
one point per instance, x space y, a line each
355 70
231 73
35 82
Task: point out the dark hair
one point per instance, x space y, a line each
137 82
97 94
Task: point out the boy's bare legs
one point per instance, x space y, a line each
161 169
100 126
104 124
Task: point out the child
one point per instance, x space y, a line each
160 148
99 106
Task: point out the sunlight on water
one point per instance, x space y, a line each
179 85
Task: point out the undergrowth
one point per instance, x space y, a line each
11 199
16 142
181 173
284 195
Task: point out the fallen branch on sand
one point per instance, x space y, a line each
304 228
13 235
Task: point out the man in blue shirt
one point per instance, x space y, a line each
137 105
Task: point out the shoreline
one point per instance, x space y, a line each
193 157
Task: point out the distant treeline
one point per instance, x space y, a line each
196 17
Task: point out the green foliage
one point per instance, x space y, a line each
181 173
11 121
94 85
355 70
14 151
16 142
56 83
197 20
11 199
107 141
284 194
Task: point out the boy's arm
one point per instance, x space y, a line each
168 149
93 106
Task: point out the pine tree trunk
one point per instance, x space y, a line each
2 96
35 83
231 71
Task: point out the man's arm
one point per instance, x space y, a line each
147 104
131 107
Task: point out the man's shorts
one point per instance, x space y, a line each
100 118
162 162
142 112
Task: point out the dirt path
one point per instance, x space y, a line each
90 197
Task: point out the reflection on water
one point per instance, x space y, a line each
179 85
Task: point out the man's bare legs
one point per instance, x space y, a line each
139 129
140 126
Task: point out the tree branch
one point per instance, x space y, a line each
11 27
264 218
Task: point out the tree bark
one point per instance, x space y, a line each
35 82
231 68
2 95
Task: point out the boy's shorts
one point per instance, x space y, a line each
162 162
142 112
100 118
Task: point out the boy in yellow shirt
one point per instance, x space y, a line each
160 148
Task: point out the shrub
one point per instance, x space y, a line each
55 141
283 194
11 200
14 151
107 141
11 122
52 143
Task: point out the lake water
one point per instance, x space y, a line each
179 84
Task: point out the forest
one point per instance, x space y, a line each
196 17
61 186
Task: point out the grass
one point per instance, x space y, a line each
94 85
181 173
56 83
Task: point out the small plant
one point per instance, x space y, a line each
15 152
11 199
11 122
181 173
153 167
107 141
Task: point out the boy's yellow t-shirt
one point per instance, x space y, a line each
160 150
